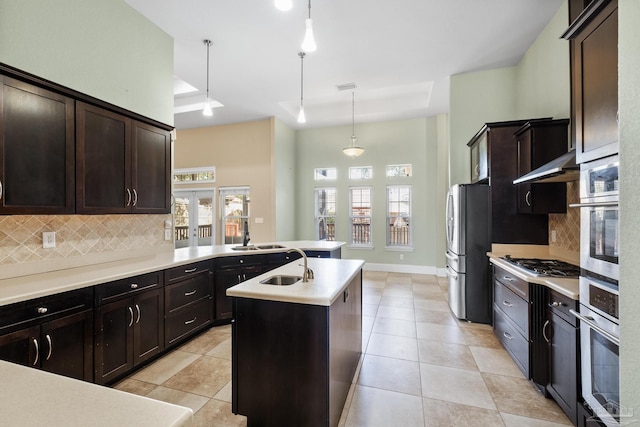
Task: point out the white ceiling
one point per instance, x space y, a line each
400 53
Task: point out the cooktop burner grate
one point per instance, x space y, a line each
545 267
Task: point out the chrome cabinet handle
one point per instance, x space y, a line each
507 278
507 335
507 303
557 304
138 310
188 322
134 286
544 331
590 321
188 294
128 197
0 190
244 276
191 270
239 279
48 337
35 344
593 204
135 197
131 313
527 198
42 310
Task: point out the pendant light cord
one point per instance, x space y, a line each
301 55
208 43
353 116
309 9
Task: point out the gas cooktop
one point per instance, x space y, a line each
545 267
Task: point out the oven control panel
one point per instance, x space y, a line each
603 300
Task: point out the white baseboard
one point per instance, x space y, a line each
409 269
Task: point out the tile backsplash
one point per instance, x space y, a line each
567 226
77 235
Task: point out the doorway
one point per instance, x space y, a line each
194 218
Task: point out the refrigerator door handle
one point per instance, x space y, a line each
449 255
451 273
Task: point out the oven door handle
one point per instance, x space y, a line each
592 204
589 321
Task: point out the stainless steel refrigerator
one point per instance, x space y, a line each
468 241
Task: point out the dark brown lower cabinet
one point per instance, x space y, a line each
292 363
128 332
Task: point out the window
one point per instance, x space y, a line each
360 215
199 175
193 218
398 215
361 172
398 171
325 214
235 213
324 174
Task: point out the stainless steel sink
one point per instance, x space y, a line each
245 248
270 246
281 280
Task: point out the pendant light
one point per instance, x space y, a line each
207 111
353 150
283 5
309 42
301 116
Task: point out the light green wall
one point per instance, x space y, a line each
393 142
101 48
629 107
538 86
285 181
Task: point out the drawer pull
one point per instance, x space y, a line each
131 313
35 344
507 335
138 310
188 322
42 310
507 278
134 286
188 294
507 303
191 270
48 337
544 331
557 304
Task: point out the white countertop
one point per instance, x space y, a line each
331 277
567 287
31 397
23 288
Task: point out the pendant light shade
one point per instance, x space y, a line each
207 111
301 116
309 42
284 5
353 149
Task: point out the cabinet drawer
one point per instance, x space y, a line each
25 313
239 261
112 291
183 323
512 306
188 291
178 273
281 258
514 343
561 304
516 284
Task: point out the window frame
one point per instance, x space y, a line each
327 217
369 169
194 171
246 216
316 175
352 243
391 218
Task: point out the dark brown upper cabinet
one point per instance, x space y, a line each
539 142
593 36
122 165
37 148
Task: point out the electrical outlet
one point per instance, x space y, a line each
553 236
49 239
167 234
401 257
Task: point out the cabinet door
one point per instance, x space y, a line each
224 279
37 175
151 169
102 161
563 372
148 335
524 166
479 159
67 346
595 85
21 347
113 340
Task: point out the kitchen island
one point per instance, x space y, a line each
295 348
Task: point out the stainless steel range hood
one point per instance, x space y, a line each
562 169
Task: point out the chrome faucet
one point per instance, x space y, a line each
307 273
246 238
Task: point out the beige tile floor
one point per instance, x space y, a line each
420 367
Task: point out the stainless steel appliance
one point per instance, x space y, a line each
599 349
468 241
599 225
544 267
